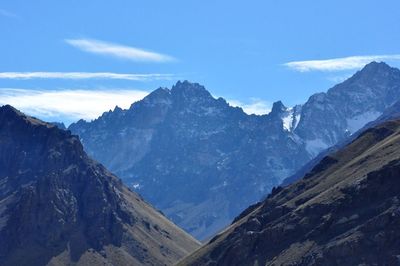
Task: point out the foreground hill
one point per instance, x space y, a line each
59 207
346 211
202 161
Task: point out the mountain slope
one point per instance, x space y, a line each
346 211
59 207
202 161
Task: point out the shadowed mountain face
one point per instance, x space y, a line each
346 211
57 206
202 161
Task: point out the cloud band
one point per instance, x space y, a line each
339 64
83 75
119 51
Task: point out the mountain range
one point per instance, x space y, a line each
60 207
201 161
345 211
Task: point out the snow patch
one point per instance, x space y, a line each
296 121
291 119
288 120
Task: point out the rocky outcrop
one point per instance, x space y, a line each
59 207
346 211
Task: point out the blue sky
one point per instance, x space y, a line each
247 52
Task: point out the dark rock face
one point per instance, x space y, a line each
202 161
54 199
346 212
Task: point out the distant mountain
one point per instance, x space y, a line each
194 157
391 113
346 211
328 118
202 161
59 207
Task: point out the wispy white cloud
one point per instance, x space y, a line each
119 51
6 13
339 64
254 106
69 105
83 75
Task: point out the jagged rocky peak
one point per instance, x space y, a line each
158 147
118 109
59 207
190 89
288 116
278 108
183 92
190 92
